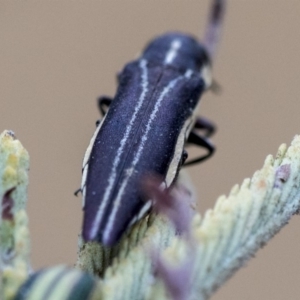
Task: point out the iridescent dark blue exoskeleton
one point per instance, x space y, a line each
145 128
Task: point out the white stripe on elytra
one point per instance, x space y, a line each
113 174
129 172
171 54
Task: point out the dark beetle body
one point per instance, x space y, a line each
142 133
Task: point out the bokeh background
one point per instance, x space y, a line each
56 57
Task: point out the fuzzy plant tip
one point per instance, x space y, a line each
14 233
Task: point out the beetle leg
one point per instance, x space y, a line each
215 87
206 125
103 104
204 142
77 192
184 157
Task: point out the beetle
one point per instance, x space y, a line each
145 128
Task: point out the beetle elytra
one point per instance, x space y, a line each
145 127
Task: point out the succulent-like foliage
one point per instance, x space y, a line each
172 253
14 234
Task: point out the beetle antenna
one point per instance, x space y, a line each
214 27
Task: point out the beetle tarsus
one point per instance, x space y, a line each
184 157
77 192
204 142
103 104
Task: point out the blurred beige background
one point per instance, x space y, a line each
56 57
